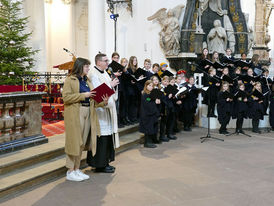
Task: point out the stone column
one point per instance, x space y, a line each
96 28
262 38
35 10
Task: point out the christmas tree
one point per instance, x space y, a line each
16 58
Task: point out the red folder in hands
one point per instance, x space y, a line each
102 90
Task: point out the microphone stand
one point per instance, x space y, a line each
208 136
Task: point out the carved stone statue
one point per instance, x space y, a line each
214 5
170 33
217 38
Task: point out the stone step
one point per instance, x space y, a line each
24 178
54 148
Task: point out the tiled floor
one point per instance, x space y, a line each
184 172
51 128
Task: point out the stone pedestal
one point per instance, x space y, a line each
20 120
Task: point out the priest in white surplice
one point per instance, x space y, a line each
107 116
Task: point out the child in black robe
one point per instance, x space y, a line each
256 107
167 110
149 115
224 107
189 104
211 93
240 107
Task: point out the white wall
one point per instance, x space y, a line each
59 32
135 35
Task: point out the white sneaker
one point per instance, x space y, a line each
73 176
81 174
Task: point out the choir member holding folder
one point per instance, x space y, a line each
224 107
240 107
149 115
107 115
256 108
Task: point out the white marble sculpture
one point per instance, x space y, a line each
170 33
214 5
217 38
250 33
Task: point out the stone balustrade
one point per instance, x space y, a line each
20 120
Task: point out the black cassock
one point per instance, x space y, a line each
149 115
189 105
240 107
224 108
256 109
105 152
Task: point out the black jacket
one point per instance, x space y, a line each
149 115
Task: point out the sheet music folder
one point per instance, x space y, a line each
102 90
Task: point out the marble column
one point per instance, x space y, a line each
35 10
96 28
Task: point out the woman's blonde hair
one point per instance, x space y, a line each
145 91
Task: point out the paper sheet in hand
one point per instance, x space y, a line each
181 91
101 90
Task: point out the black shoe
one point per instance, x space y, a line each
241 131
150 145
124 122
272 128
176 130
121 125
156 141
110 167
105 170
256 131
187 129
164 139
172 137
223 132
211 115
129 121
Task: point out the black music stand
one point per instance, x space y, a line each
208 136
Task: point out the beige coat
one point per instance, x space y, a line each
72 98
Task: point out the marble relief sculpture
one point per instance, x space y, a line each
170 29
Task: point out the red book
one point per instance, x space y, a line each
101 90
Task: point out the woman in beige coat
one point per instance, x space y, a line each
81 122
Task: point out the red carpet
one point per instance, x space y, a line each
53 127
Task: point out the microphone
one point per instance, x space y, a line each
112 73
66 50
192 63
